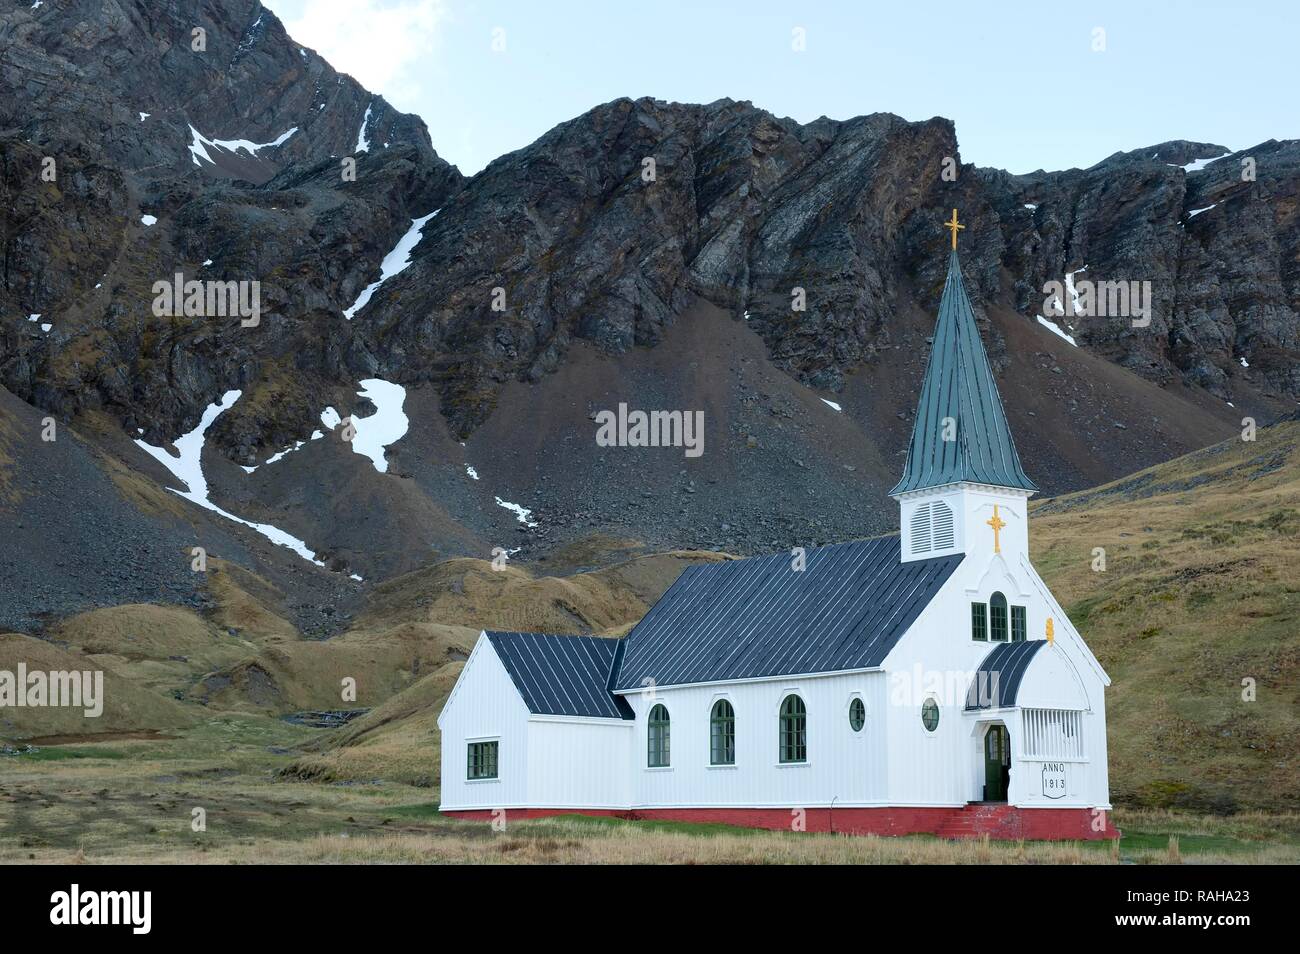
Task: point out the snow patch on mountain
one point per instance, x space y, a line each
386 426
372 435
1196 165
1074 295
200 143
363 144
394 262
522 514
187 466
1056 331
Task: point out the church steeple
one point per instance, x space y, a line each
961 431
963 489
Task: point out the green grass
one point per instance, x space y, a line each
59 753
423 810
695 829
1187 844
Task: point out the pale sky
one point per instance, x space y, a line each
1021 80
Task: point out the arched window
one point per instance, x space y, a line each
930 715
794 730
998 618
657 738
722 734
857 714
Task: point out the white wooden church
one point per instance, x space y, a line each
926 682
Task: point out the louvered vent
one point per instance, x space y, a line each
933 528
944 530
921 528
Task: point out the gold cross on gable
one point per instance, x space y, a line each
954 226
996 523
1051 632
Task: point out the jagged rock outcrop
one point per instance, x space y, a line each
742 209
644 251
1222 253
745 208
107 96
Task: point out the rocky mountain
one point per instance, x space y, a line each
779 277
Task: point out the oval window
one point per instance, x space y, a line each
857 715
930 715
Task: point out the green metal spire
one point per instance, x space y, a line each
959 385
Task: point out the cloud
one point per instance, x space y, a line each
374 42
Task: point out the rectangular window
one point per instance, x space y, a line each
794 743
998 619
722 735
979 622
1018 624
482 760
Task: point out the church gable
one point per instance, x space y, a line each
1065 630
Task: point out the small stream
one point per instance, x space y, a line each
324 718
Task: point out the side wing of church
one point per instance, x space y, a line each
927 682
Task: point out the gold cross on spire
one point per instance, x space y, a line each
996 523
954 226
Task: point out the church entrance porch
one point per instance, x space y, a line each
997 763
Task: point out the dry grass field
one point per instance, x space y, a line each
134 801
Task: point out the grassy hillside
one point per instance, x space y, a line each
1201 592
397 741
129 707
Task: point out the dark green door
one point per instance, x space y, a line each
997 763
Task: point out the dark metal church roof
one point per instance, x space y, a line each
959 384
999 676
562 675
745 619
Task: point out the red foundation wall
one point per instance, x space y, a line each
1004 822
